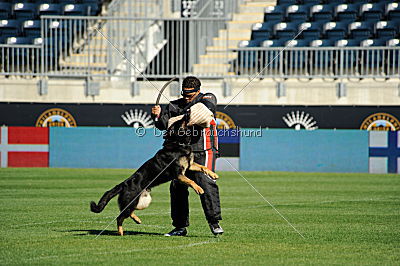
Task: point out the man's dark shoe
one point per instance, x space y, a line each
177 232
216 229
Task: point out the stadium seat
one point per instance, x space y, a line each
298 43
297 13
66 2
19 40
393 11
373 42
31 28
287 2
347 42
273 43
393 42
335 30
347 12
270 59
274 13
248 58
322 13
310 30
297 58
285 30
10 27
50 9
5 10
262 30
311 2
386 29
86 9
322 43
362 30
25 10
372 11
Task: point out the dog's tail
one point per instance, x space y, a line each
105 199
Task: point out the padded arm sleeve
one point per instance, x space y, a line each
210 101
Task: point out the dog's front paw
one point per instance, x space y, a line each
213 175
198 190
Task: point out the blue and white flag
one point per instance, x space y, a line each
384 152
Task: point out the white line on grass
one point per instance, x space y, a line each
264 198
125 251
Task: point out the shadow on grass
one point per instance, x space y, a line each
109 232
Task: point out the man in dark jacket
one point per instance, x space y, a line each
204 142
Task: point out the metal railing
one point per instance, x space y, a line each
101 47
20 60
131 46
322 62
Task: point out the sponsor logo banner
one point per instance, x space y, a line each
381 122
56 117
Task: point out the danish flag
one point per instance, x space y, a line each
24 146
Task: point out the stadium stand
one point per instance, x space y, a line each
324 24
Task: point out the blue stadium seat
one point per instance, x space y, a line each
287 2
393 42
10 27
347 42
262 30
322 43
335 30
274 13
50 9
310 30
19 40
347 12
336 2
248 58
66 2
298 43
372 11
25 10
5 10
322 13
297 13
31 28
86 9
387 29
393 11
274 43
285 30
373 42
311 2
362 30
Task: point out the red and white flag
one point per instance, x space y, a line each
24 146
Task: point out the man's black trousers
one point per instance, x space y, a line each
209 200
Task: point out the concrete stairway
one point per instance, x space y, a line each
91 51
217 57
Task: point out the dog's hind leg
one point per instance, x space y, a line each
120 220
201 168
135 218
191 184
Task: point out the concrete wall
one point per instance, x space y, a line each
313 92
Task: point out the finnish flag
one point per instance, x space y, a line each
384 152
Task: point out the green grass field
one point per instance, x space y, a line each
345 218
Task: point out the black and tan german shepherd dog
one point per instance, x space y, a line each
171 162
